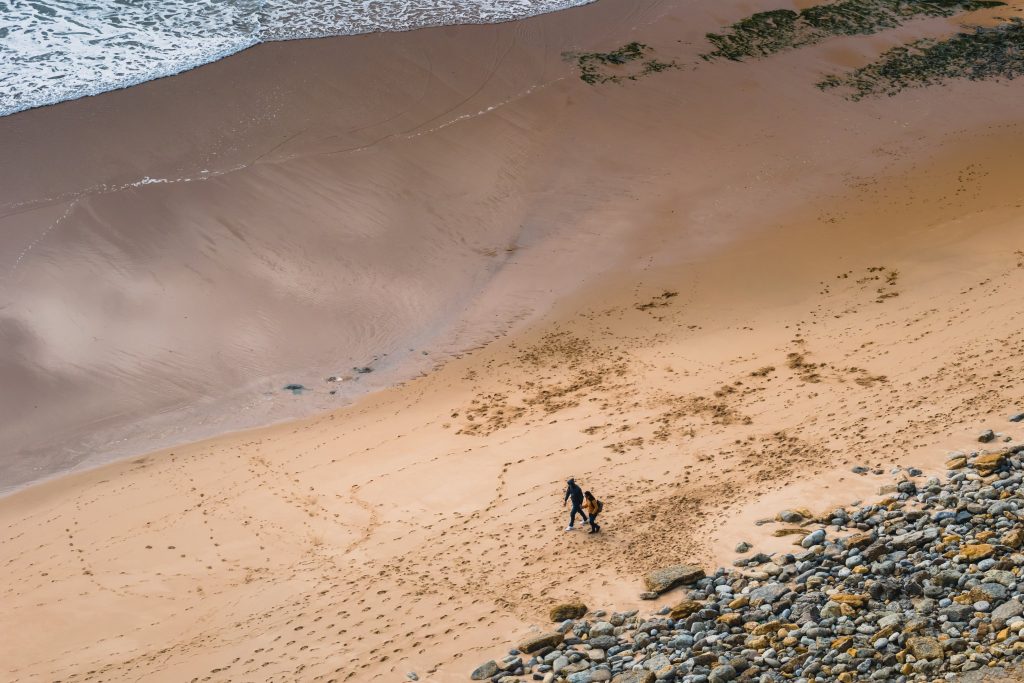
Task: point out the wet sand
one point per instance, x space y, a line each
635 256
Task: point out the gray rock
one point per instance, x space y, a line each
986 436
657 662
603 642
601 628
790 517
813 538
957 613
768 593
743 547
1019 417
1006 611
722 674
484 671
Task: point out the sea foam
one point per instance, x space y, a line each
55 50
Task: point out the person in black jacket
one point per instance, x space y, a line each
574 493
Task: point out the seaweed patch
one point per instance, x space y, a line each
618 65
766 33
982 54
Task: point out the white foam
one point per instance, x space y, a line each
55 50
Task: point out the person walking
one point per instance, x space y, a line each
592 506
575 494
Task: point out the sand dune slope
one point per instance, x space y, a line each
421 528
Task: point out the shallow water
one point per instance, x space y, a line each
55 50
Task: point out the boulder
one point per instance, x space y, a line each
484 671
567 610
667 578
539 642
988 463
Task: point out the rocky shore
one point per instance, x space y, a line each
923 585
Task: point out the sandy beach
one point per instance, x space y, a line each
707 293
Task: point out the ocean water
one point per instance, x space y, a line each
55 50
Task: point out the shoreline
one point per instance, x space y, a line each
229 52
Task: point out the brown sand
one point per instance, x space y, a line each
739 220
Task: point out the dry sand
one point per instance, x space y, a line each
641 254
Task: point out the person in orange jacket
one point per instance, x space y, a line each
592 506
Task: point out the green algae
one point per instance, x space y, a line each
984 53
767 33
607 67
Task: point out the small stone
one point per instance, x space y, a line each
925 648
814 538
685 609
722 674
851 599
956 462
974 553
743 547
768 593
539 642
1013 538
986 436
567 610
636 676
412 676
657 662
1019 417
1005 612
648 595
791 516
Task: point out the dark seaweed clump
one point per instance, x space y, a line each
984 53
600 67
766 33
